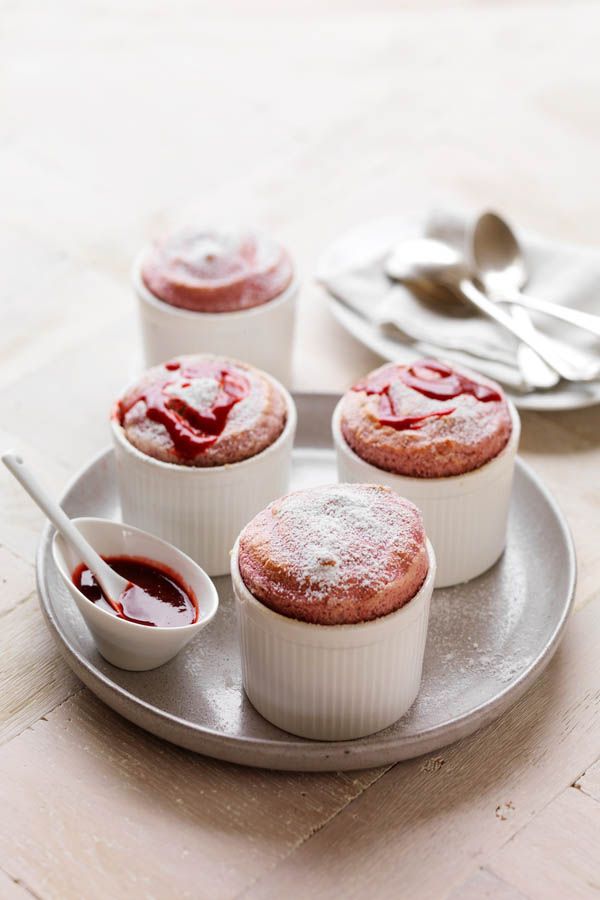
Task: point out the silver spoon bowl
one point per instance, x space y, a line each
428 260
500 265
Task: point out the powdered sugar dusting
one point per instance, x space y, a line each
469 417
333 546
253 423
216 271
449 444
205 252
340 533
250 410
199 393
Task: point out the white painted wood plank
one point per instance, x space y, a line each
590 781
484 885
12 890
33 676
17 580
21 521
90 800
557 855
344 114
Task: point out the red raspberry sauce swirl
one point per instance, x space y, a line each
429 377
191 430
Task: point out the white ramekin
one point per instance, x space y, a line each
465 516
262 336
125 644
202 510
332 682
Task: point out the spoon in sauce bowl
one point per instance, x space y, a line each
164 599
119 592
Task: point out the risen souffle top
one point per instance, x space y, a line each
216 271
202 411
335 555
425 420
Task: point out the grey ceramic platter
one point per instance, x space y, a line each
488 640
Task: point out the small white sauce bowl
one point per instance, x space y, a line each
127 644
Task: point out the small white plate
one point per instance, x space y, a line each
487 643
565 396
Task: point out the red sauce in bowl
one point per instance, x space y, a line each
156 595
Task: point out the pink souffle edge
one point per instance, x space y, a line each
445 437
216 272
250 425
335 555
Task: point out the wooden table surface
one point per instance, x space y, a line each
120 118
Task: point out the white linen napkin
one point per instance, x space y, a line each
558 272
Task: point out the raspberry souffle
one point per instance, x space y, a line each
335 555
333 587
202 411
445 438
202 443
426 420
215 272
229 293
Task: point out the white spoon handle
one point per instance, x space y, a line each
111 583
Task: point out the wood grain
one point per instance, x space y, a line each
545 860
117 120
12 890
34 677
62 287
17 580
484 885
21 521
589 783
95 795
545 443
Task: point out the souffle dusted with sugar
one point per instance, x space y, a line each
216 271
426 419
333 586
202 411
202 443
335 555
445 438
224 291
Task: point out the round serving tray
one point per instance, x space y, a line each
488 639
